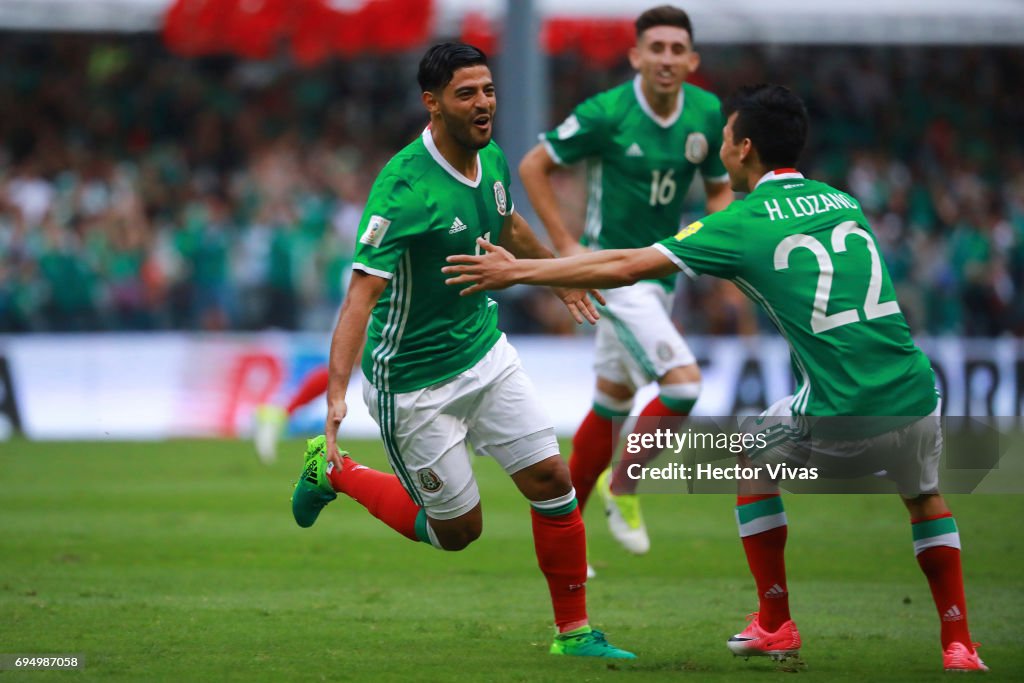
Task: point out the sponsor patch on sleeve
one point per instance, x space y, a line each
688 230
375 229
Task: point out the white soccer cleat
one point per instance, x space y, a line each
270 422
625 520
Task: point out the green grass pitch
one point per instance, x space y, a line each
180 561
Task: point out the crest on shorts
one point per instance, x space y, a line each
499 197
429 481
696 149
664 351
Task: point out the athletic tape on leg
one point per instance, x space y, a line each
611 406
556 507
679 397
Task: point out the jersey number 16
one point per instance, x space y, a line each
663 187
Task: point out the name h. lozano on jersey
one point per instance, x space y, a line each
808 205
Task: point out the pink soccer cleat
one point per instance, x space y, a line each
754 641
958 658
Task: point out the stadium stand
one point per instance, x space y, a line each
143 191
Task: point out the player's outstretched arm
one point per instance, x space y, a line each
520 240
346 343
496 268
535 171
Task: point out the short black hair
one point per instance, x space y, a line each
441 62
663 15
775 120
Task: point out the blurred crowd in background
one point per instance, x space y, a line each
144 192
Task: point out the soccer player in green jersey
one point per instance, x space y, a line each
643 141
438 373
804 252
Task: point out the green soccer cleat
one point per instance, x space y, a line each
587 642
313 490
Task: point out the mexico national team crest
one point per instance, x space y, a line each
499 198
696 148
429 481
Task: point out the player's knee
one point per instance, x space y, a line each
611 391
926 505
457 533
456 542
455 537
546 480
682 375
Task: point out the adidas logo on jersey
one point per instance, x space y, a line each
953 614
634 151
776 591
457 226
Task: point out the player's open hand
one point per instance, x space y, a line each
579 303
492 269
336 411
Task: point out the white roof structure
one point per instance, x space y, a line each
82 15
974 22
938 22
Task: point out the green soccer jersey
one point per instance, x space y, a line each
420 211
639 165
803 251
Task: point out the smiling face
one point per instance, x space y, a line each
466 106
665 58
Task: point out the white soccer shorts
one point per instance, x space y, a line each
909 455
493 405
636 340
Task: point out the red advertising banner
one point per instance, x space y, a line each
314 30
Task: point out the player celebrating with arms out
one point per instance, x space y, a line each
437 370
803 251
643 141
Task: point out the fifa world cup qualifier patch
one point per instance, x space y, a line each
375 229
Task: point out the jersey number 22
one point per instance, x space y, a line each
821 321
